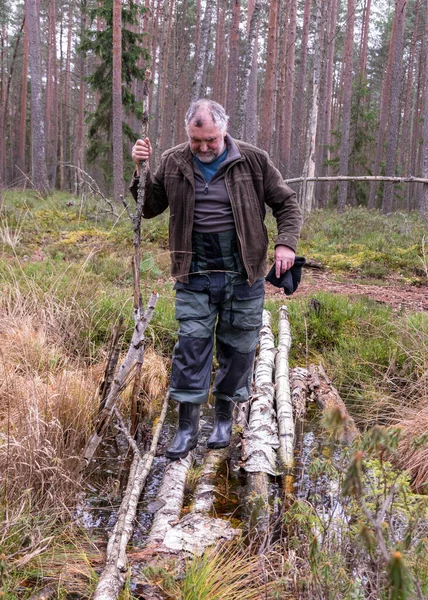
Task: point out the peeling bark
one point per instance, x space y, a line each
284 408
203 500
327 397
112 578
261 437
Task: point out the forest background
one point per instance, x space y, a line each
326 87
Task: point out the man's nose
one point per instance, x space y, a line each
204 147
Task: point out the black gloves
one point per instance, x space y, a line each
290 279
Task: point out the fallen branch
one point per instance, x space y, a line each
409 179
121 379
112 578
327 397
284 408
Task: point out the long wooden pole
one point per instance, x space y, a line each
409 179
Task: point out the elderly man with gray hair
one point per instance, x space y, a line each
217 189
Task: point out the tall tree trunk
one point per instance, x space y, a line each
423 205
51 96
233 74
346 109
307 199
416 128
383 117
39 169
287 92
220 63
243 96
267 113
324 189
407 129
394 108
80 133
117 101
251 119
205 34
297 137
22 135
5 95
163 70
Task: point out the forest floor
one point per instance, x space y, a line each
391 292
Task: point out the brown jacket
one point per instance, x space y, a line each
251 181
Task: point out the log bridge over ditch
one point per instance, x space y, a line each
267 437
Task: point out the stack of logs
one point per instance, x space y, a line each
270 426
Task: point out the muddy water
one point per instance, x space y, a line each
99 505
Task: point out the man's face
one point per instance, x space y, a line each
207 141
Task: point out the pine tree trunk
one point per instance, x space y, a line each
346 109
251 120
394 108
307 199
80 133
22 135
117 102
165 117
297 137
404 148
220 63
384 104
423 205
267 113
287 92
324 189
39 169
233 72
249 54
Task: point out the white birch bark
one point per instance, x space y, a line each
284 408
203 500
261 438
205 33
170 496
113 576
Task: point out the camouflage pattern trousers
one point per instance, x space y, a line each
217 307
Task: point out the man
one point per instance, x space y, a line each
216 188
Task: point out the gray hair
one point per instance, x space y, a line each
216 110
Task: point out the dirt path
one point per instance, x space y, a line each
393 293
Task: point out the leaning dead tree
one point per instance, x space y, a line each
132 362
113 576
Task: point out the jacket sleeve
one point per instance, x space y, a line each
156 200
282 200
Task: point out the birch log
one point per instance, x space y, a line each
284 408
112 578
203 500
261 437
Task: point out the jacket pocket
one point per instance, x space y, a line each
247 305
